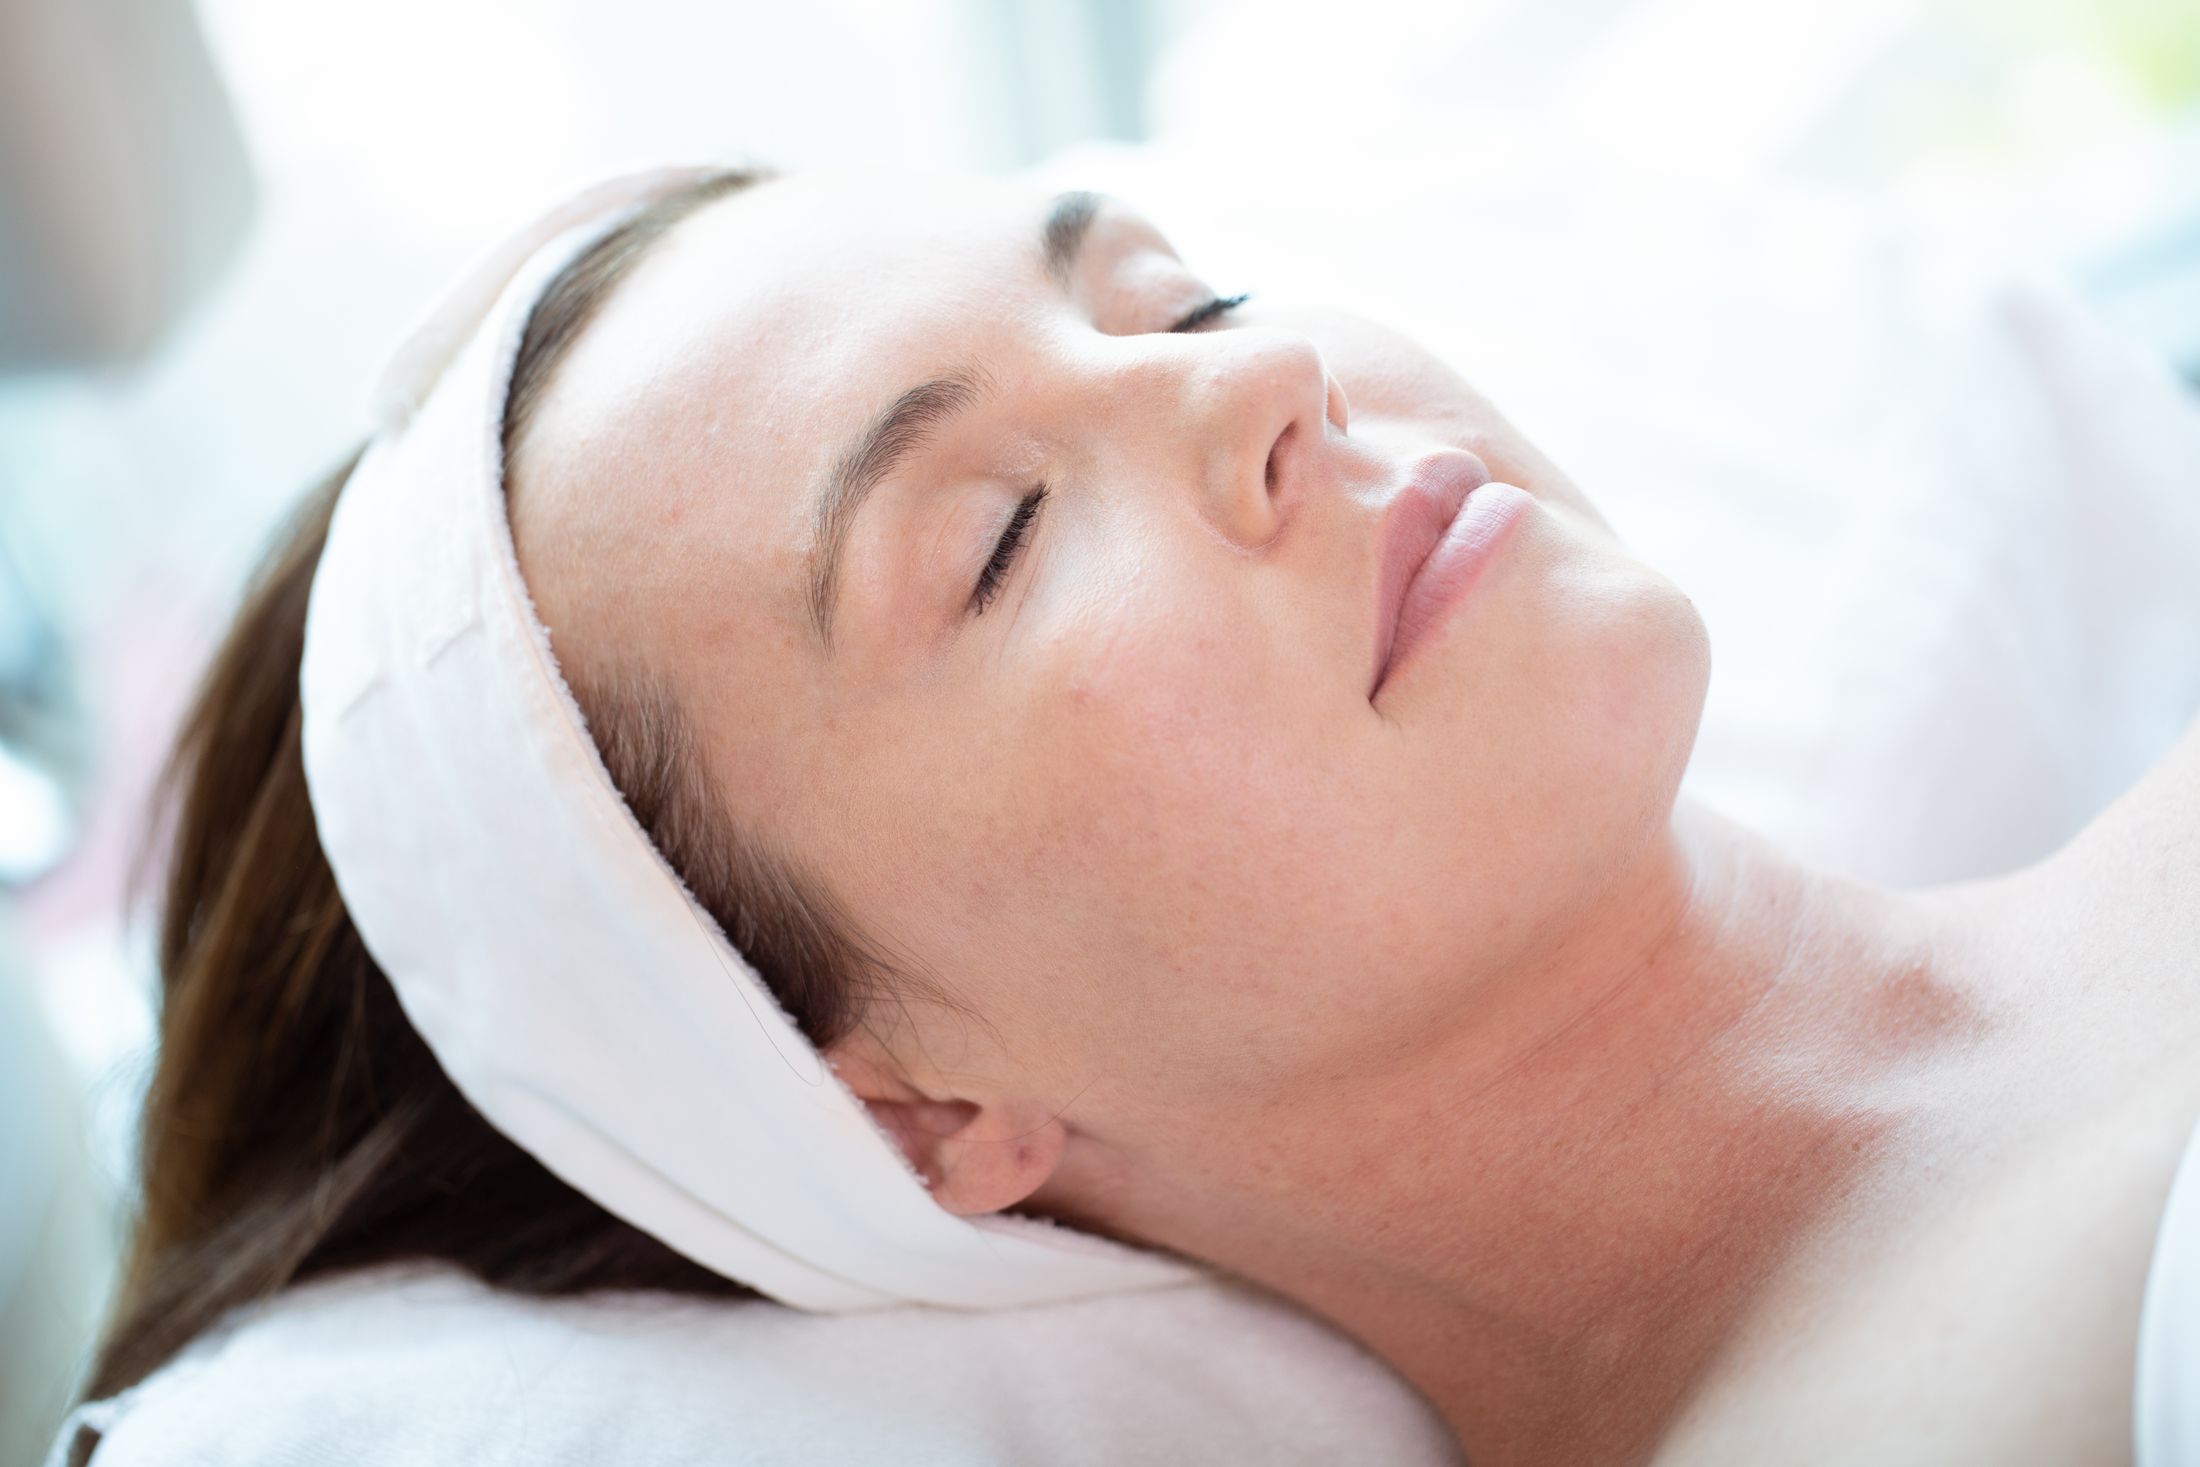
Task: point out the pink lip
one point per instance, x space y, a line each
1435 537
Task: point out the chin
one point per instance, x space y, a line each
1612 671
1651 658
1574 643
1682 653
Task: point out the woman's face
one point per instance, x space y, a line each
1132 803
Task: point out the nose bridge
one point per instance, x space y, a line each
1242 414
1259 361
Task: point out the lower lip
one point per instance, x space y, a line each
1483 524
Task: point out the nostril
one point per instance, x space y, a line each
1275 454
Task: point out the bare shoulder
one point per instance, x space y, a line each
2147 843
2110 923
1999 1329
1996 1320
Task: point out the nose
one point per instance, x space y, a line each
1257 406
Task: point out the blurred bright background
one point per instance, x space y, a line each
306 176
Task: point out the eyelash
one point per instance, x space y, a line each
1220 305
1004 554
1011 542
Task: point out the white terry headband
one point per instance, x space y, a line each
562 974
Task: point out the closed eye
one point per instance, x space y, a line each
1221 305
996 569
1005 550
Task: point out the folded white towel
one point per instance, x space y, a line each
429 1367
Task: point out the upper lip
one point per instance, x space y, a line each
1412 524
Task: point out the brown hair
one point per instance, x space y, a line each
296 1124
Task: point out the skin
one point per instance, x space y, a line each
1437 1010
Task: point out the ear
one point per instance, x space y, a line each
975 1155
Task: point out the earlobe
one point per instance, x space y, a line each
976 1157
997 1157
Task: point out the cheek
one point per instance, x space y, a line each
1204 835
1160 756
1120 864
1167 851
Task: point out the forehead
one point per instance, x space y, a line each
674 462
774 314
708 397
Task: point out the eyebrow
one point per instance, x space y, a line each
908 423
1069 220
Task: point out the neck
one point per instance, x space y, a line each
1552 1223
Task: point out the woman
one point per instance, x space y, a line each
1198 774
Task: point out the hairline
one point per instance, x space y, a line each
639 725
